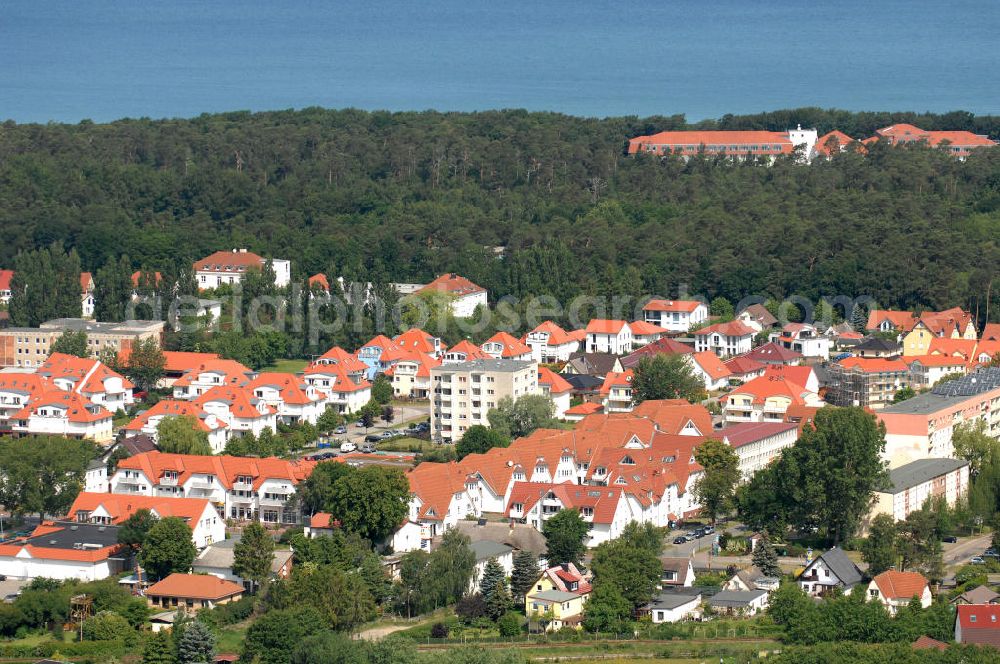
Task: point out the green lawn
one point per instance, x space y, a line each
406 444
287 366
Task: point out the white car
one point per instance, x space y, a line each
348 446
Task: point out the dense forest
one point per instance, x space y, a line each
522 203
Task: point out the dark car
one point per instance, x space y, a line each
699 533
950 539
680 540
374 438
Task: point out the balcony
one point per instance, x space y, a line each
168 481
204 485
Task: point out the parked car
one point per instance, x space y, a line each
374 438
340 430
950 539
708 530
698 534
681 539
367 447
990 552
977 560
359 424
325 456
348 446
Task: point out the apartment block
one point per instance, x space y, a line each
29 346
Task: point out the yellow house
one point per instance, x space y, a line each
557 598
950 324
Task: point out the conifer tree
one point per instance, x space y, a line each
493 577
524 574
765 558
196 645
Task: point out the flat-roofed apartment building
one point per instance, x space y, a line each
29 346
911 485
923 426
464 392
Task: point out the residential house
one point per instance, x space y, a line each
911 485
465 296
504 346
669 607
416 340
558 598
743 603
593 364
228 267
804 375
210 374
578 412
243 488
880 320
677 572
663 346
751 578
952 323
557 389
550 343
217 560
725 339
411 375
89 378
922 426
707 366
241 410
743 369
608 336
175 364
110 509
345 391
465 351
485 551
757 317
372 354
927 370
616 392
869 383
772 353
831 569
765 399
675 315
87 302
978 624
292 398
320 524
758 444
737 145
644 333
6 276
803 338
191 593
878 348
440 495
148 421
55 412
834 142
894 590
604 508
64 550
978 595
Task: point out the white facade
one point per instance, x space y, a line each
465 392
614 342
544 351
804 339
24 565
464 306
758 449
723 345
675 316
662 614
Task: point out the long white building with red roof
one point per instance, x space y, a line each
239 487
207 525
736 144
228 267
465 295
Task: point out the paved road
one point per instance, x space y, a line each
959 553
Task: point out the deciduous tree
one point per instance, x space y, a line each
666 377
565 537
181 434
253 555
168 548
722 472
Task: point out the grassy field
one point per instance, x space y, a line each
287 366
406 444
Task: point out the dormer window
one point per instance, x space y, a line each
627 460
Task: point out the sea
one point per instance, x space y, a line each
101 60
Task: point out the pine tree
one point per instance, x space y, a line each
859 318
524 574
196 645
158 649
113 290
493 577
765 558
498 602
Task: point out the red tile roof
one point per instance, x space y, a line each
905 133
233 373
290 387
800 375
176 408
120 507
980 623
176 361
510 346
604 326
672 305
734 328
900 585
743 433
415 339
87 375
556 383
712 365
761 389
615 379
137 276
742 365
585 408
901 320
772 352
194 586
224 467
323 520
454 284
319 279
557 335
873 365
710 139
662 346
5 278
641 328
825 144
603 500
470 350
229 261
926 643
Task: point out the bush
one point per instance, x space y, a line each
439 631
228 614
108 626
470 608
509 624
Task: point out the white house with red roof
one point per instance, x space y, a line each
894 590
803 375
503 345
957 143
739 145
757 444
56 412
88 378
87 294
805 339
550 343
240 487
16 390
766 399
644 333
707 366
603 507
207 525
608 336
228 267
64 550
6 276
240 409
210 374
465 295
371 354
743 368
616 392
464 351
213 425
290 396
832 143
416 340
556 388
441 494
675 315
725 339
344 385
978 624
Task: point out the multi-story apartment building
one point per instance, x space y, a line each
550 343
923 426
725 339
241 488
911 485
757 444
29 346
463 392
675 315
871 383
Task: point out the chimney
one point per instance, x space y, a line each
565 567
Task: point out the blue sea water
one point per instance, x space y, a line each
105 59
